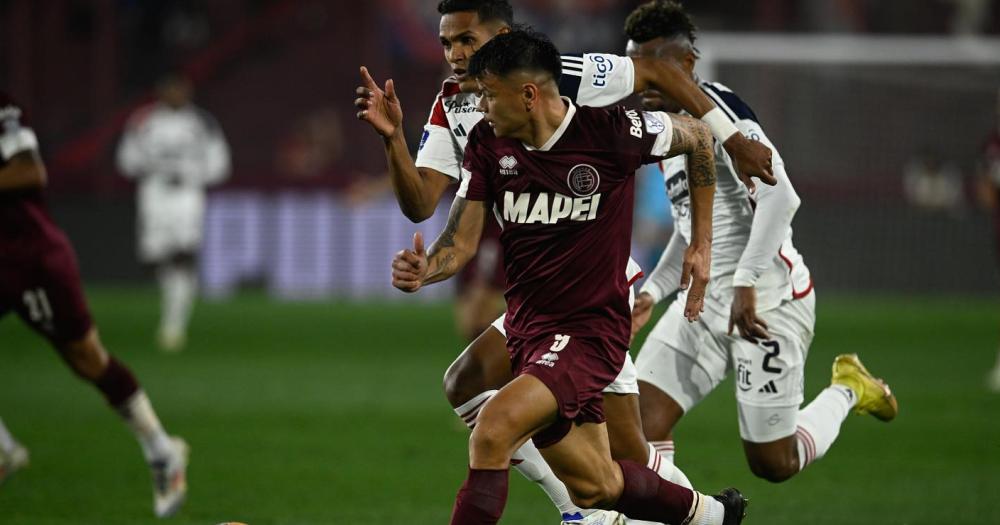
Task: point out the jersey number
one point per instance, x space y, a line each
766 365
37 302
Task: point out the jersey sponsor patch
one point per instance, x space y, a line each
583 180
545 208
654 126
636 128
602 69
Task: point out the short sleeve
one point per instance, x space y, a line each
475 176
438 148
597 79
15 135
643 137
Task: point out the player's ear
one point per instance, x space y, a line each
503 29
529 95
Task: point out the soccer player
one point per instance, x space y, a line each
41 283
760 287
560 179
590 79
175 150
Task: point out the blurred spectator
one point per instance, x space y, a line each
931 184
174 150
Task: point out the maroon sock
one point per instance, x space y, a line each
116 383
649 497
482 498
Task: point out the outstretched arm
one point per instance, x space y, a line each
418 190
454 247
24 170
692 138
751 158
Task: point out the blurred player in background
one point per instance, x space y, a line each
40 281
561 180
760 286
588 79
174 150
13 455
990 196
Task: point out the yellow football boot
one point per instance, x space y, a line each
874 396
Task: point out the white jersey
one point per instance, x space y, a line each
747 249
591 79
174 154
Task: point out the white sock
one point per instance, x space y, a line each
819 422
666 469
706 510
6 439
178 287
665 449
141 418
526 460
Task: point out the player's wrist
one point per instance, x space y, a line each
722 128
652 291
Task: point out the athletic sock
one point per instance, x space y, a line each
481 499
819 422
6 439
666 469
646 496
665 449
140 417
116 383
178 288
526 460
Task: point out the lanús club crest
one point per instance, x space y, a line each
583 180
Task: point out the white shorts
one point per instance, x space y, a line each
169 222
688 360
627 380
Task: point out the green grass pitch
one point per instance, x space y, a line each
323 413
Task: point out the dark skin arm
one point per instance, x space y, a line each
692 138
751 158
457 244
418 190
25 170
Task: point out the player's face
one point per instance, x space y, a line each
462 34
503 105
677 50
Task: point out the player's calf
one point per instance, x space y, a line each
776 461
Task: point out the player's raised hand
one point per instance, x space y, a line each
694 278
743 315
409 267
378 107
751 158
641 313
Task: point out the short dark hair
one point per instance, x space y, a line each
518 50
488 10
659 18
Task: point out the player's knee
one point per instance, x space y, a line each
495 435
463 381
774 469
86 356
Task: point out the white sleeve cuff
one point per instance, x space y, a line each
744 278
653 290
722 128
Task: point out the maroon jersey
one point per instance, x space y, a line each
566 211
25 224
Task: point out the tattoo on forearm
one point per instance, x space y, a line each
693 139
447 237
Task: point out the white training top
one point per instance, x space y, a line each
751 234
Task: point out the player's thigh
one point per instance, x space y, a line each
583 462
48 296
624 424
685 361
770 374
483 365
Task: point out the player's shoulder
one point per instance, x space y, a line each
482 139
142 114
731 103
451 89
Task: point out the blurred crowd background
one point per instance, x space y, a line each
882 109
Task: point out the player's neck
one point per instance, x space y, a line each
545 121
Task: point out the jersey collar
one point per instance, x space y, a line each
570 111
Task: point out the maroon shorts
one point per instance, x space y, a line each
576 369
45 291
